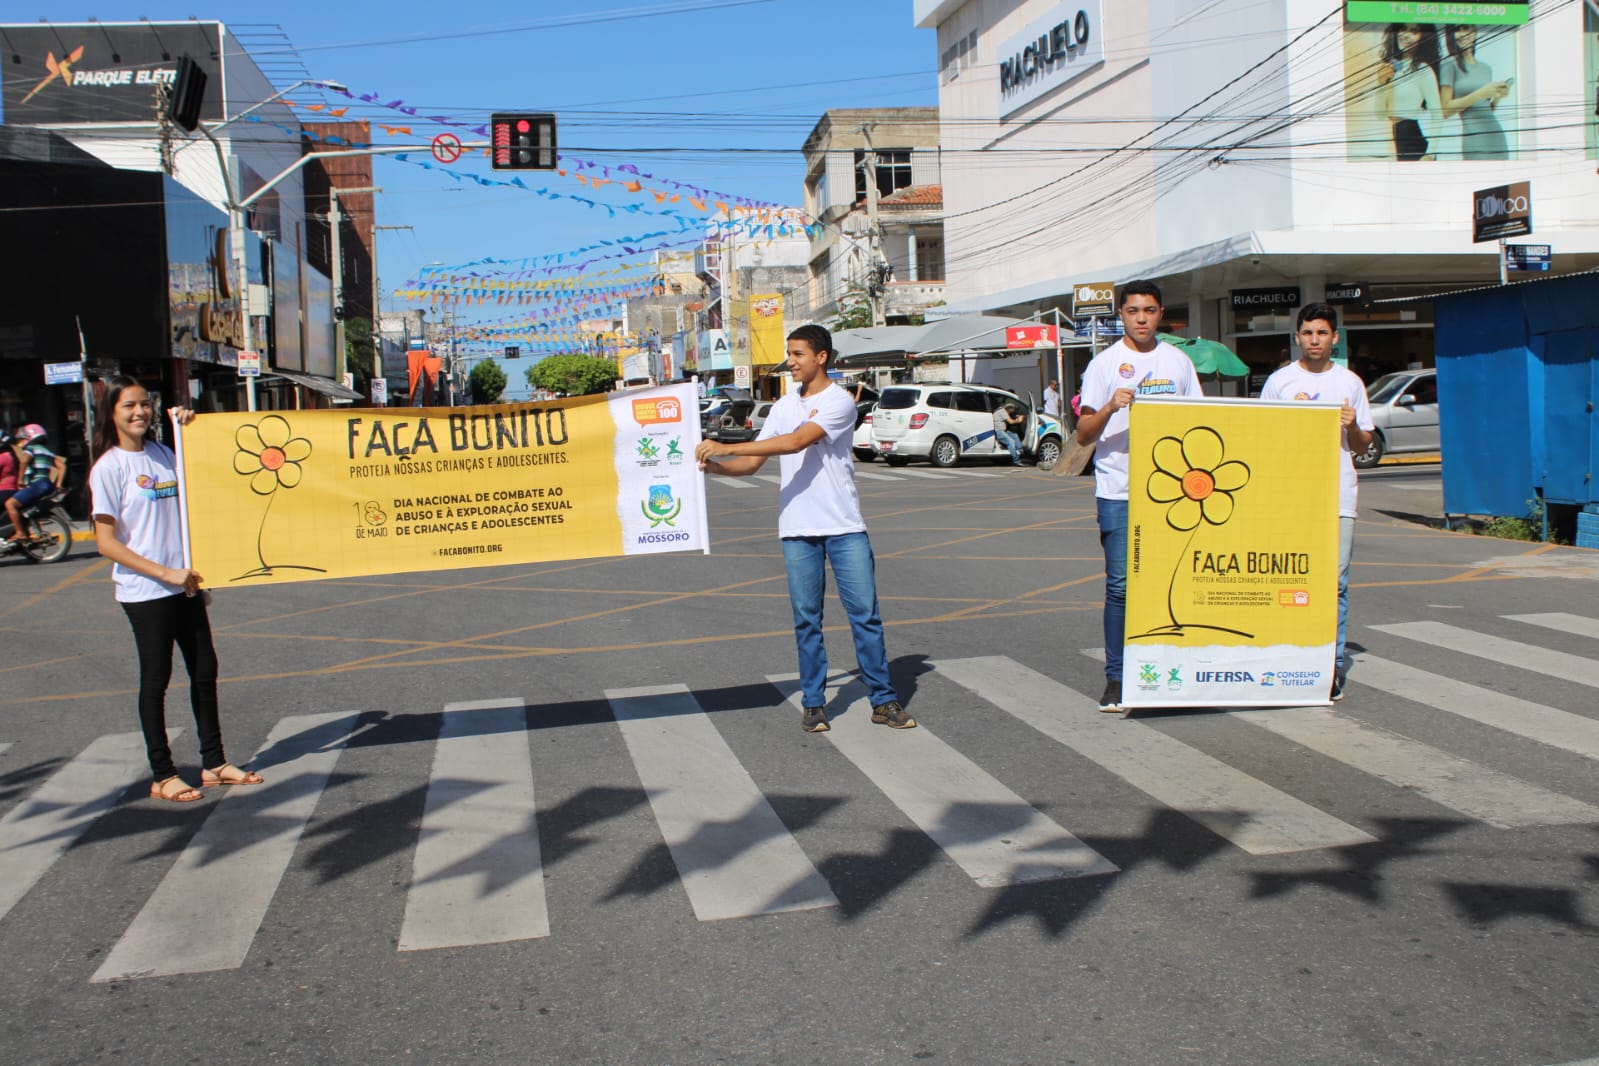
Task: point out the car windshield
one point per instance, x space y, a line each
899 399
1387 387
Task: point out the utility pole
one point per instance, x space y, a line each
377 305
336 220
878 272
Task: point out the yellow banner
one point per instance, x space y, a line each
1232 571
767 342
279 496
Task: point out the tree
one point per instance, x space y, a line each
574 375
854 309
359 351
487 382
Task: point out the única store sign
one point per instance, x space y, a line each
1055 50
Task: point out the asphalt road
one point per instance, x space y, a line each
564 813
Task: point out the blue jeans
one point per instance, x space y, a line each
1011 443
1113 538
855 572
1346 555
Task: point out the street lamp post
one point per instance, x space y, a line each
238 204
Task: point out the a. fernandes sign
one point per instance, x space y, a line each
273 497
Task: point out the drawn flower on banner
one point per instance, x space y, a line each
269 455
1195 478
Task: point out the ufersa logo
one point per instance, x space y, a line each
652 412
58 69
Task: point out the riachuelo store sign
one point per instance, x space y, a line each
1052 51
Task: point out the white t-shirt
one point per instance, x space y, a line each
817 498
140 491
1162 372
1337 385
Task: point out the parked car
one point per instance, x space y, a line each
1404 410
727 418
862 442
943 422
757 417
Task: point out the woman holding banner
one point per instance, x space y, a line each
137 525
1409 94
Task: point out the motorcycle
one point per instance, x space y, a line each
52 531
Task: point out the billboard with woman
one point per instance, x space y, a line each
1424 91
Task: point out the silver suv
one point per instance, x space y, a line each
942 422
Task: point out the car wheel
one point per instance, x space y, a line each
865 455
1372 455
896 460
1048 451
946 452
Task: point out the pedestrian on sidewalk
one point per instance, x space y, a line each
1315 377
137 525
1140 364
819 521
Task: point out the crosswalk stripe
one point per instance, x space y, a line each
1564 623
734 855
1511 714
770 479
477 875
990 832
870 476
206 910
1448 780
924 473
1253 815
40 828
1547 661
731 482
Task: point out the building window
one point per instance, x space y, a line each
893 171
957 57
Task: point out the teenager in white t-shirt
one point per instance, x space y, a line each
138 526
1140 364
819 520
1315 377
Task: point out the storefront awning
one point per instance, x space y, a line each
326 386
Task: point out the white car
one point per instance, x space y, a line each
943 422
862 441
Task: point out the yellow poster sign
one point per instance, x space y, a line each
279 496
1232 570
767 345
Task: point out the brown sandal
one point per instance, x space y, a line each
174 789
221 776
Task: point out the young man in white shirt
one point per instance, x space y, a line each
1140 364
819 520
1314 376
1052 398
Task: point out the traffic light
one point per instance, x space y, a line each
187 96
522 141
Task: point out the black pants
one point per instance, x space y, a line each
156 625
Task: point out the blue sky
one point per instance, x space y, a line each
715 93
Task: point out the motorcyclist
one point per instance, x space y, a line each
42 476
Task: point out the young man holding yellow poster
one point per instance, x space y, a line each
1139 365
819 520
1315 377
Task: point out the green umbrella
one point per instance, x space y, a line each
1209 357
